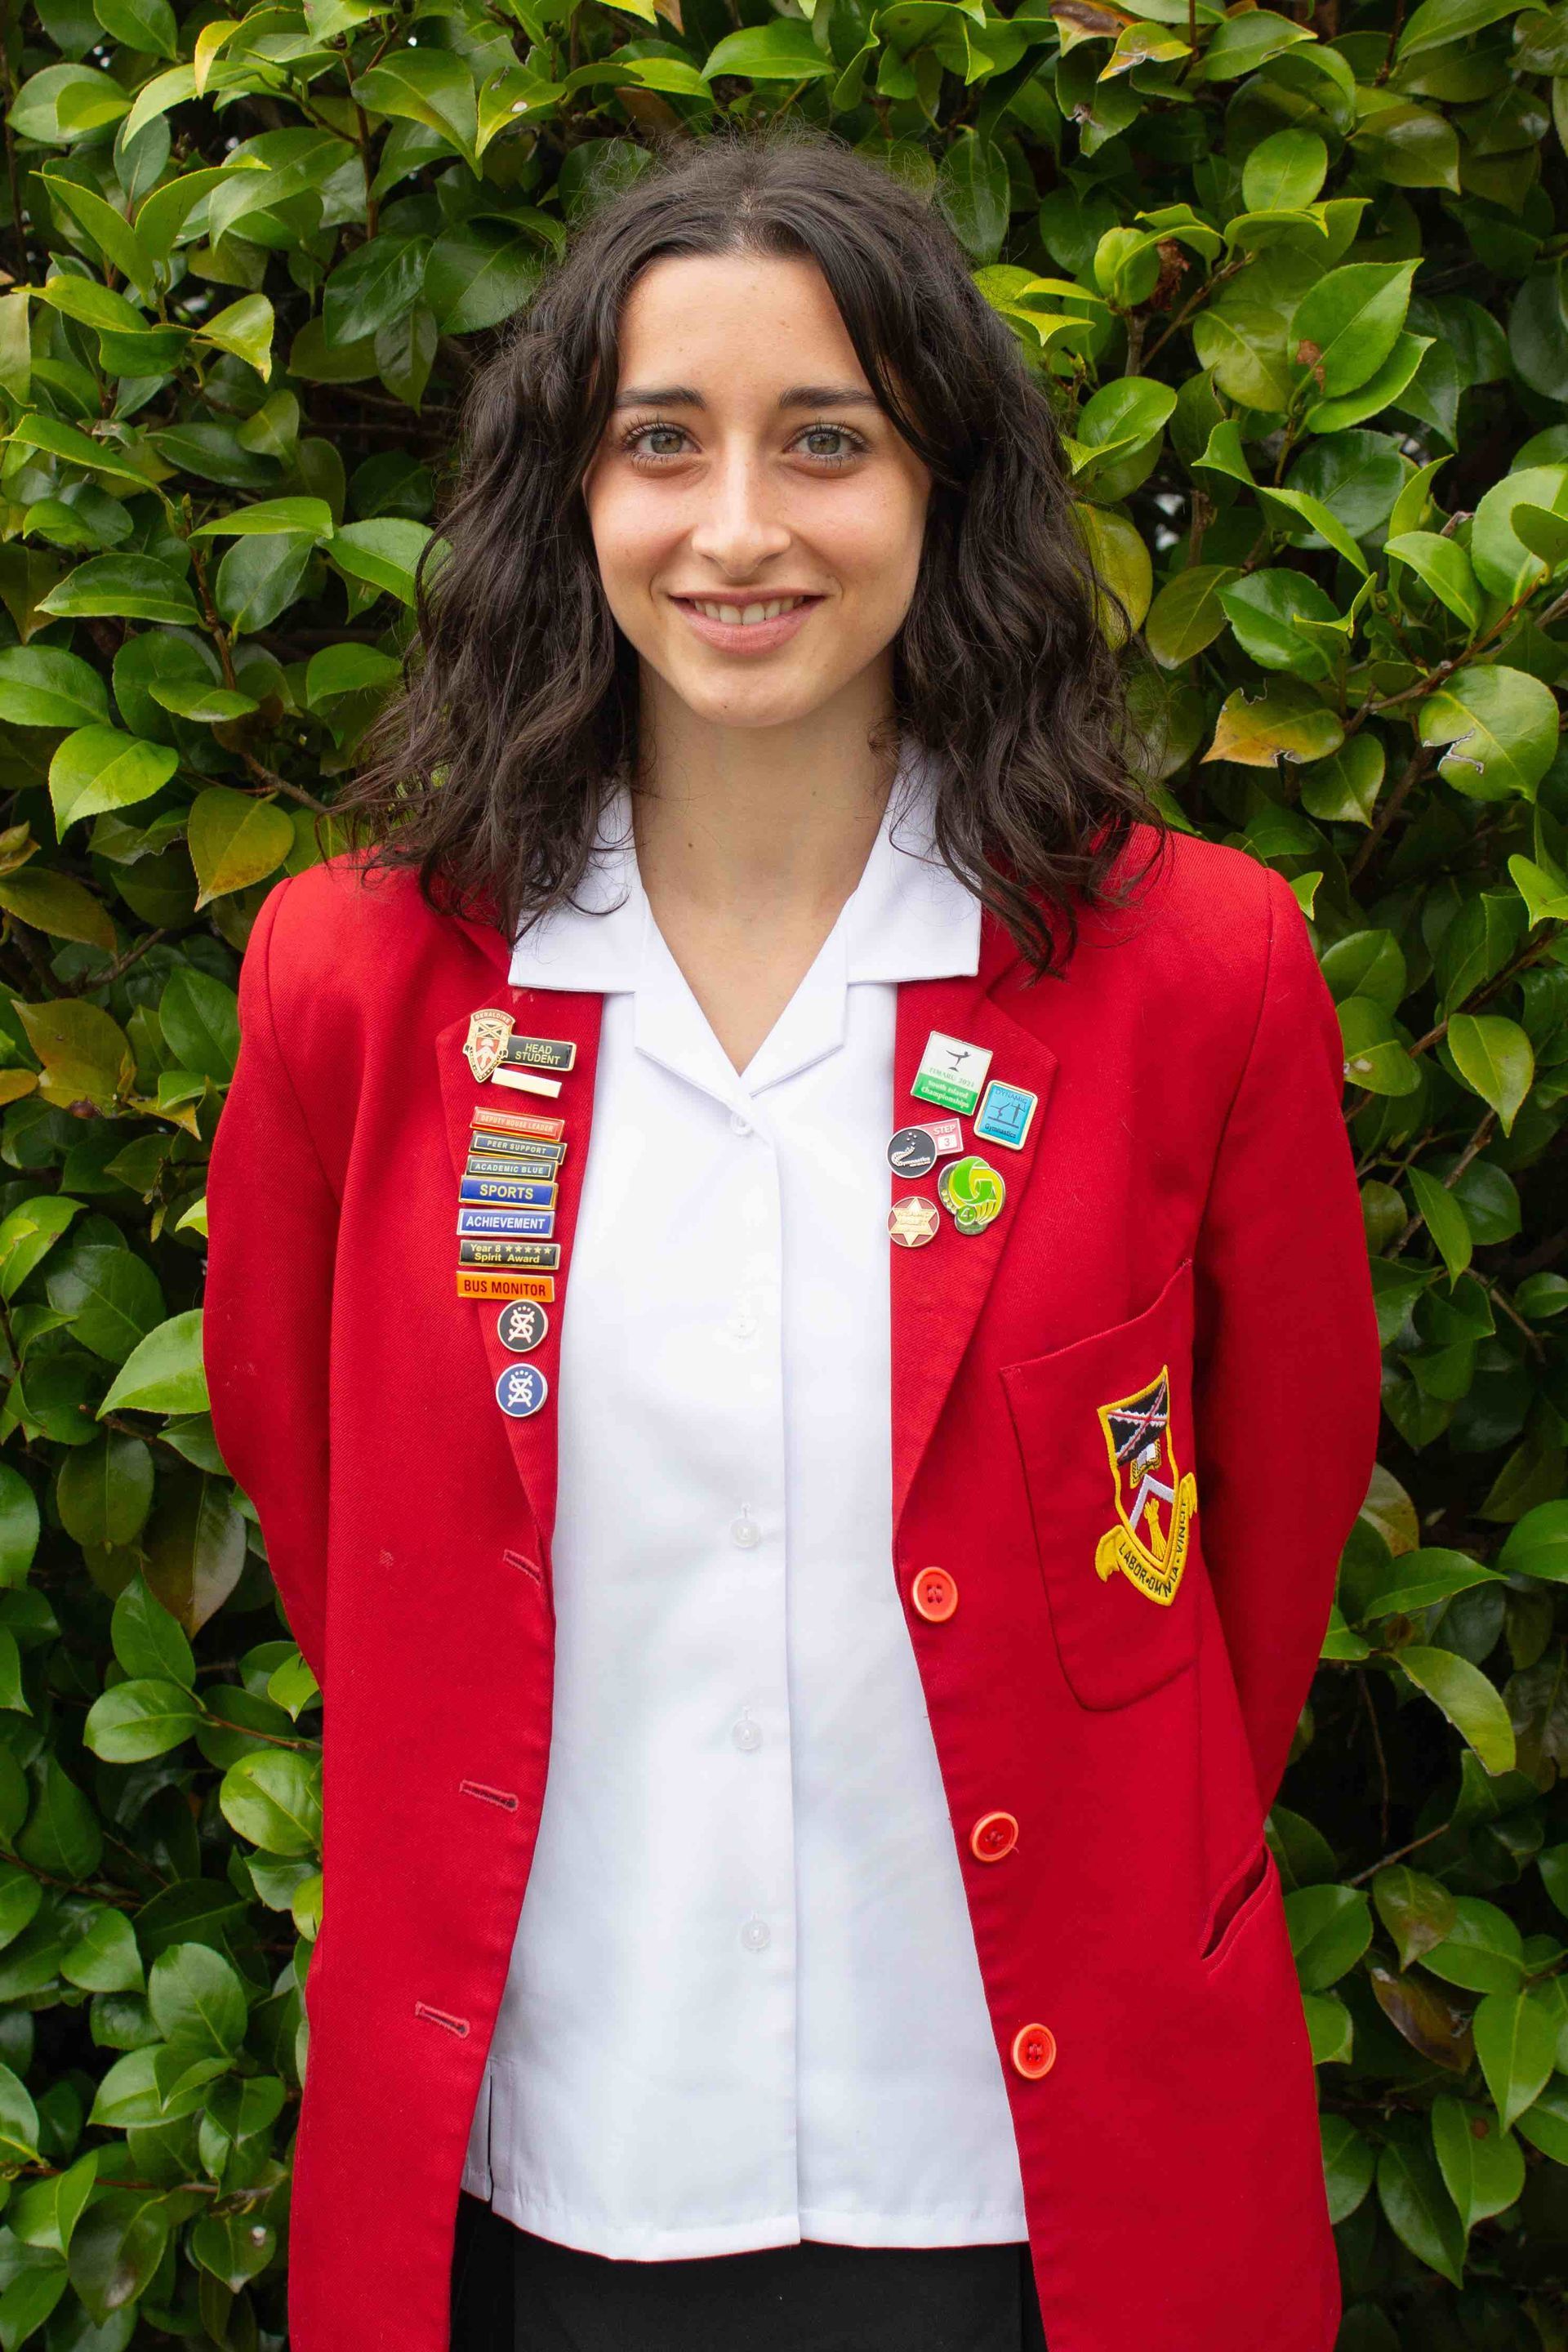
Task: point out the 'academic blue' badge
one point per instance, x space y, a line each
1004 1115
521 1389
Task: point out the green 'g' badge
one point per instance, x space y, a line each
973 1193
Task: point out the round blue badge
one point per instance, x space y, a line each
521 1389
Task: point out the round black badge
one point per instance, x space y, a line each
912 1151
522 1325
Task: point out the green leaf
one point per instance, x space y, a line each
1121 564
123 587
1284 172
137 1719
1187 615
86 1054
199 1016
478 275
42 687
246 329
1343 788
58 904
1286 722
1346 325
164 1372
1330 1928
435 88
1443 1220
1536 1545
311 517
783 50
1417 1911
382 553
1481 2164
98 768
1505 566
1516 2041
1417 2207
110 1296
1494 1056
1472 1703
236 841
1349 2163
1444 568
1501 727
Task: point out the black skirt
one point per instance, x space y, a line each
513 2292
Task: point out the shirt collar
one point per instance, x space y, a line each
907 917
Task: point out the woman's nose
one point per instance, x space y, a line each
739 523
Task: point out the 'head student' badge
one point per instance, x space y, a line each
489 1032
1154 1501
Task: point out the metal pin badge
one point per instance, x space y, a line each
972 1192
914 1221
489 1032
951 1073
1005 1114
521 1326
520 1391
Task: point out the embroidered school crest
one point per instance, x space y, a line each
487 1041
1154 1502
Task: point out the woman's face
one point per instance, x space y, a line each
746 461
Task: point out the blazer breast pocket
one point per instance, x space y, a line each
1104 1427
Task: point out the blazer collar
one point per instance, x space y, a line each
936 1295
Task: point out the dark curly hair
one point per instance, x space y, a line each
520 699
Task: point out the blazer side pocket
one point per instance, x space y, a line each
1238 1900
1104 1429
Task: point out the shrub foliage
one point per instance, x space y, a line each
1295 284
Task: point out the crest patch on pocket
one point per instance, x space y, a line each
1154 1501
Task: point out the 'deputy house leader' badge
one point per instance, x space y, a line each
1155 1503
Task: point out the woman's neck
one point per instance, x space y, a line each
748 842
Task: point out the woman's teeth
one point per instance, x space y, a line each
746 613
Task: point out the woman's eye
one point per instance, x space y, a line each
642 443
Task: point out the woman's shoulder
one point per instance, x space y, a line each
1194 906
346 927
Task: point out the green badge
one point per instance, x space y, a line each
973 1193
951 1073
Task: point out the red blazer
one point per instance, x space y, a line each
1185 1205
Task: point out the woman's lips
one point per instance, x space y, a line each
745 636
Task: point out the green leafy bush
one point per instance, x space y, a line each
1296 285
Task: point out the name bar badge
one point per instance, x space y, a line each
537 1286
525 1257
517 1122
511 1171
509 1190
537 1054
540 1223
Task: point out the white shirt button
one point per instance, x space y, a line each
739 1123
756 1936
743 1327
746 1734
745 1533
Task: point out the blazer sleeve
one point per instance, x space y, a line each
273 1221
1287 1357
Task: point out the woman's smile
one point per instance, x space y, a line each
751 626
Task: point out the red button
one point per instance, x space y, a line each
993 1835
935 1594
1034 2050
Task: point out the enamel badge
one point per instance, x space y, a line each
489 1033
1154 1502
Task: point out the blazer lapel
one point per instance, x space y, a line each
936 1292
542 1012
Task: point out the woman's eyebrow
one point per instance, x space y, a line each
798 395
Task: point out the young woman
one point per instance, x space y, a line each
787 1283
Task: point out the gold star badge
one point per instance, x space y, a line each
914 1221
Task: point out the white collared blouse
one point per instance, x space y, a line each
745 1909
